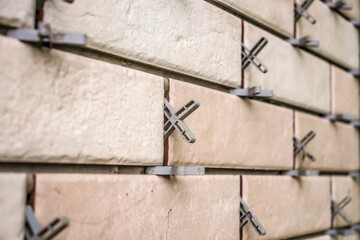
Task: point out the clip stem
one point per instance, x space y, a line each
340 117
304 42
299 173
254 92
340 4
43 36
356 23
174 170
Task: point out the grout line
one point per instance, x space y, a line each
33 194
294 134
69 168
242 84
118 169
331 197
241 195
245 17
331 90
294 34
166 142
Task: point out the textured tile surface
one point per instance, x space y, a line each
342 187
345 92
338 38
276 14
291 72
335 146
17 13
188 36
12 205
141 207
60 107
287 206
231 132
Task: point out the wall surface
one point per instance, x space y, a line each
264 138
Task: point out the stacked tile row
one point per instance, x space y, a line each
56 110
151 207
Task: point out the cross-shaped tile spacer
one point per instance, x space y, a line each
301 11
246 216
300 146
249 56
33 230
174 120
338 208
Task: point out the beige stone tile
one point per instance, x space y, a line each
12 205
168 34
17 13
342 187
335 146
338 38
231 132
287 206
345 92
60 107
276 14
291 72
141 206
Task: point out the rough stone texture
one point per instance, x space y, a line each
17 13
345 92
141 207
276 14
12 205
335 146
338 38
189 36
291 73
342 187
287 206
231 132
60 107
